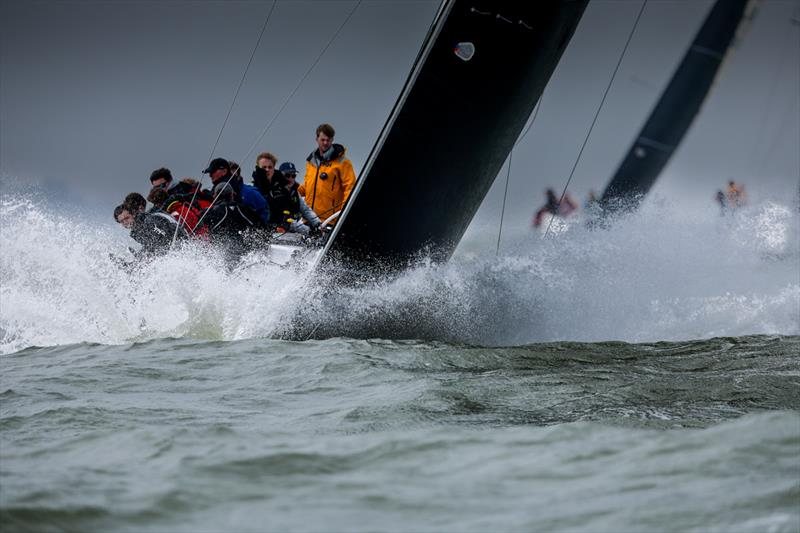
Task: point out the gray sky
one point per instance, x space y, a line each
96 94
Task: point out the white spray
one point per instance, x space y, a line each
659 274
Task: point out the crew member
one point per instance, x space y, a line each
329 177
186 214
230 223
265 174
553 207
219 170
736 196
290 206
154 230
186 190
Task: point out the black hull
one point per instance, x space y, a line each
451 131
676 109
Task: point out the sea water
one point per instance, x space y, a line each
641 377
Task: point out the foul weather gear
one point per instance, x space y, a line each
290 208
189 190
188 216
328 181
155 230
248 196
229 224
735 195
553 207
264 183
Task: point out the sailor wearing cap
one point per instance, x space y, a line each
219 170
289 208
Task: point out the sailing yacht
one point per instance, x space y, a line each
478 75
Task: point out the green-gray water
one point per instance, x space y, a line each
163 400
260 435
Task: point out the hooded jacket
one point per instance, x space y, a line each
328 181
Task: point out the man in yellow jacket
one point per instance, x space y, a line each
329 178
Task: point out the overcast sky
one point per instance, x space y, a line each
96 94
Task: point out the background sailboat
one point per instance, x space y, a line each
677 107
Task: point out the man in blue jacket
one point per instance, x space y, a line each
219 170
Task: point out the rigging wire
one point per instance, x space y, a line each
182 218
597 114
508 170
300 83
503 211
533 119
244 75
286 102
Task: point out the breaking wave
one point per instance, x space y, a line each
658 274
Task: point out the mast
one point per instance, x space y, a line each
481 70
676 108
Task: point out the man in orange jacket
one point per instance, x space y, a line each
329 178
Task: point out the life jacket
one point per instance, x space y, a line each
280 201
188 215
189 191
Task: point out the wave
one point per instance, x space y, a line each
658 274
739 475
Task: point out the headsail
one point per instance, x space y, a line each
481 70
676 108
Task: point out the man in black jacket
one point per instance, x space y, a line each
232 224
153 230
290 207
266 174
